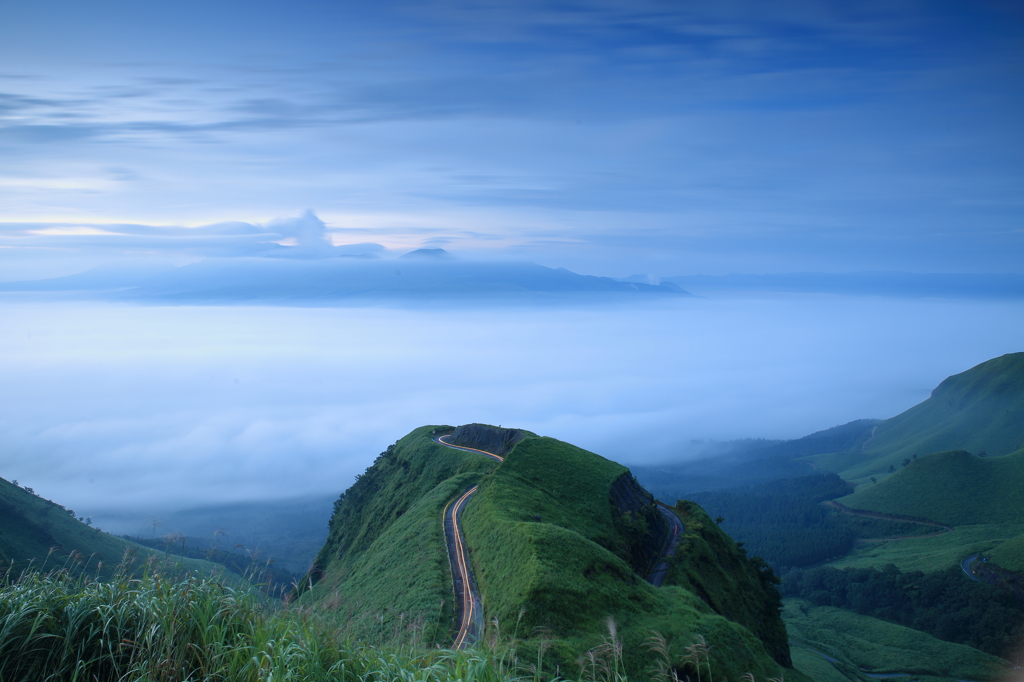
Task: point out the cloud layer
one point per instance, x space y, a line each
136 407
607 137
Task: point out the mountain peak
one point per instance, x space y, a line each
428 254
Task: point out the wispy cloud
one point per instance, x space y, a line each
607 119
304 236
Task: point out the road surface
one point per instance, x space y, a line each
675 532
966 565
469 609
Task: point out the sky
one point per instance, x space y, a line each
607 137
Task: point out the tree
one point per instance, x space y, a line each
906 461
891 468
874 480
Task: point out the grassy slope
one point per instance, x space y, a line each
30 526
384 569
566 573
709 563
980 409
1010 554
956 488
872 645
930 554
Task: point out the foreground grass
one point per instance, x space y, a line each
164 627
58 627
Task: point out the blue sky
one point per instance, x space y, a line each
608 137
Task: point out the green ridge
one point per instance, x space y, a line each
383 571
552 557
41 534
981 409
956 488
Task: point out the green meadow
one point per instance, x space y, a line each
865 645
933 553
955 488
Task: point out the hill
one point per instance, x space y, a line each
560 541
866 648
289 531
41 534
340 280
956 488
902 284
980 410
753 461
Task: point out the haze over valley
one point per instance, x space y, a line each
154 409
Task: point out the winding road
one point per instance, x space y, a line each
661 570
470 614
966 566
470 611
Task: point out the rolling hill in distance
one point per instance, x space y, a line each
419 276
877 283
40 534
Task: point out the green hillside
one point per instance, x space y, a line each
560 540
1009 554
384 568
980 410
41 534
956 488
863 646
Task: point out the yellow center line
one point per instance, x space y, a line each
460 551
468 605
441 439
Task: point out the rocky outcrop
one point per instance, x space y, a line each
1000 577
642 527
488 438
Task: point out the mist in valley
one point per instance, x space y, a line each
128 412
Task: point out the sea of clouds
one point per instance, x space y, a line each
136 409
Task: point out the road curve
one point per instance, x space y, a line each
467 598
966 566
442 441
675 532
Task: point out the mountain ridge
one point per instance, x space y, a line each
557 540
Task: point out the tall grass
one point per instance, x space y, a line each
165 626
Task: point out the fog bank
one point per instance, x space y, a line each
125 407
